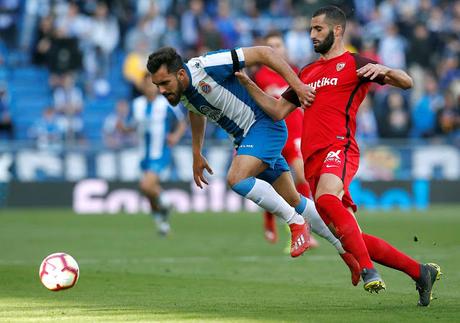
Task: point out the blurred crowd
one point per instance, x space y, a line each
78 41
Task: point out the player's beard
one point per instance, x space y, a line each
174 97
324 46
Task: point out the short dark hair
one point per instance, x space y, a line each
165 56
273 33
333 14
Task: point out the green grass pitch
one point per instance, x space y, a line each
215 267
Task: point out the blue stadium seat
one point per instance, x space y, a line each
30 73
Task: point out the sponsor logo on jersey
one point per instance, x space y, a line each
205 87
323 82
340 66
212 113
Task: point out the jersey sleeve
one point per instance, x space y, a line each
222 64
363 61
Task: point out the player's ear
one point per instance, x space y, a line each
181 74
338 31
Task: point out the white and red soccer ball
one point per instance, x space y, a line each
59 271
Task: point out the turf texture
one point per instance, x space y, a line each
215 267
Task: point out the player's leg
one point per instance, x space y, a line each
242 179
151 188
270 230
284 185
424 275
329 203
299 178
296 164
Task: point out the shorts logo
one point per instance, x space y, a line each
340 66
334 158
205 87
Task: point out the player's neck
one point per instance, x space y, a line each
151 98
336 50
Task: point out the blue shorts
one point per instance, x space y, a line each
155 165
265 141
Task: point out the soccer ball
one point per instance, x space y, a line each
59 271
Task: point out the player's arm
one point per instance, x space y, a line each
386 75
277 109
179 128
267 56
198 126
176 135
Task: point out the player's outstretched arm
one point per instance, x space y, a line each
198 125
267 56
277 109
394 77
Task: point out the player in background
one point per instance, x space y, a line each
209 89
273 84
338 82
160 126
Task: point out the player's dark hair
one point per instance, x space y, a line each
273 33
333 14
165 56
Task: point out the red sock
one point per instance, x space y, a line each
304 189
346 227
387 255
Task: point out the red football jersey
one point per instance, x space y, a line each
331 119
275 85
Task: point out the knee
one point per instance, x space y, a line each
243 187
143 186
233 179
322 202
147 188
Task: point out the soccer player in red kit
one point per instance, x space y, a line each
274 84
338 82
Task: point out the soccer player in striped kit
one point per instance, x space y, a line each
207 86
160 126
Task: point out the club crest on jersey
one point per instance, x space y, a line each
340 66
205 87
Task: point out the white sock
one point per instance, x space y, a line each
264 195
319 227
163 201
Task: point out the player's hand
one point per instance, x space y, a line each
199 165
306 95
371 71
243 78
172 139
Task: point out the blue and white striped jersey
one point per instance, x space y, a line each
154 121
214 91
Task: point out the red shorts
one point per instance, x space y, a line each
337 160
291 150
